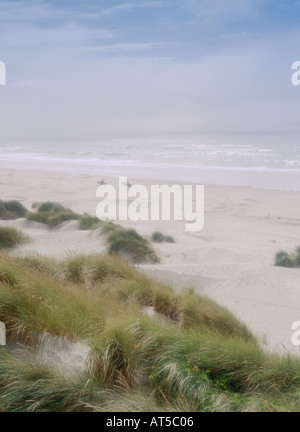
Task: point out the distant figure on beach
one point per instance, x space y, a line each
128 185
101 182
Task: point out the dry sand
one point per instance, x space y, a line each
230 260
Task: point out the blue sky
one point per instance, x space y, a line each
104 68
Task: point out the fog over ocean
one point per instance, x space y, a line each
265 161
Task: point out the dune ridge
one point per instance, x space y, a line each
231 259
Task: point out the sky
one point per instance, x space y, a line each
97 69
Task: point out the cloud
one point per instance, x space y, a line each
127 47
129 7
24 12
236 90
220 9
68 78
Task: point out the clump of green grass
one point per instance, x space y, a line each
283 259
73 269
33 262
35 301
116 278
40 217
88 222
200 312
49 206
11 210
195 312
166 303
116 358
99 269
231 366
129 243
57 218
159 237
9 238
53 214
52 219
108 227
29 386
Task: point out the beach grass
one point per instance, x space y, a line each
29 386
159 237
196 357
123 242
45 212
283 259
50 206
10 237
130 244
11 210
52 219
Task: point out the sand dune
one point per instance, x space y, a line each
231 259
59 242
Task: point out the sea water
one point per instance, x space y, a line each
258 160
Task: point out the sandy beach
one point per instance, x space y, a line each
231 259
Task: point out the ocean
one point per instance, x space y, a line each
255 160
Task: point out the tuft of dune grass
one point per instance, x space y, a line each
193 362
48 207
34 301
201 358
52 219
28 386
166 303
283 259
53 214
117 357
159 237
9 238
11 210
87 222
199 312
129 243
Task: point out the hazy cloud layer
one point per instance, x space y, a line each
94 69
